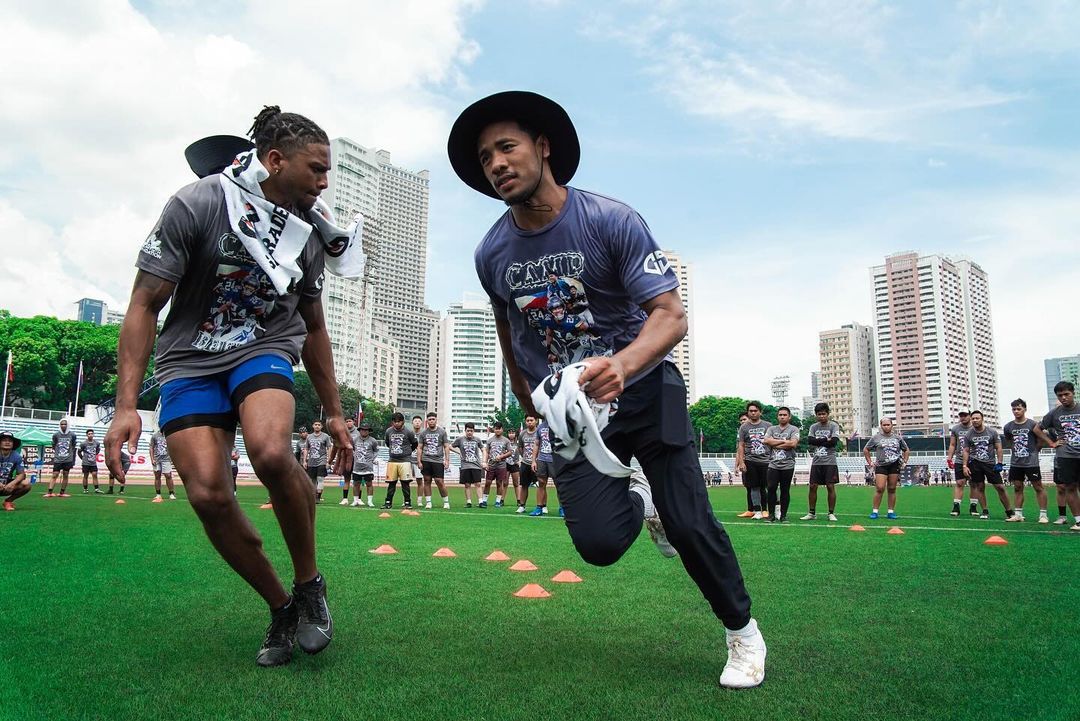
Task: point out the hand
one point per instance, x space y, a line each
603 378
534 466
967 472
740 467
446 467
340 434
950 463
126 427
999 467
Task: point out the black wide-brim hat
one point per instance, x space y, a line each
213 154
16 444
541 114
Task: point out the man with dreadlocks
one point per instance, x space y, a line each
244 310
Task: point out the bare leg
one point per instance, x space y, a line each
893 480
55 475
157 482
21 490
64 481
541 492
169 483
441 485
1004 498
831 488
202 456
812 498
1018 495
1040 494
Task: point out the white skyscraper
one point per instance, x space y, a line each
935 340
467 381
367 317
847 380
683 353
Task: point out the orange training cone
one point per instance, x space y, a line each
996 541
384 515
444 553
120 501
496 556
265 506
532 590
412 513
895 531
523 565
566 577
383 550
856 527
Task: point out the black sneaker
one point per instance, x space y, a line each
315 628
407 506
468 504
387 505
277 648
110 491
482 504
973 509
985 516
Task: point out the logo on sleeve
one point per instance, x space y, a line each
656 263
152 245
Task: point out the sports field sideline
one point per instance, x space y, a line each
125 611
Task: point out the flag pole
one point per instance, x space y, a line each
7 375
78 387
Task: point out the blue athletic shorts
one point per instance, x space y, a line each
213 400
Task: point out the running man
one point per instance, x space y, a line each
88 452
224 357
472 458
13 482
891 456
162 464
63 447
317 450
497 452
823 437
543 466
401 442
434 450
782 439
983 463
1021 438
365 449
1064 421
752 458
955 460
528 445
522 149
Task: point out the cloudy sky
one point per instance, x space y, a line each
782 147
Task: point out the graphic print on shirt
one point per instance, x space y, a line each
823 434
981 446
397 443
242 300
1071 425
551 295
1020 442
10 467
470 451
757 447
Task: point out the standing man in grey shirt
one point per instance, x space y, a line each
782 439
318 448
983 463
823 436
1064 422
891 455
1020 437
752 457
434 451
226 353
63 447
162 464
955 460
528 447
365 450
88 451
497 451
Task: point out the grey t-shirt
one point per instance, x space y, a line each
318 448
782 459
890 447
160 446
88 452
432 444
1066 423
400 444
545 449
574 288
64 446
364 452
224 309
527 443
823 455
470 452
959 434
515 453
497 446
753 449
1024 443
981 445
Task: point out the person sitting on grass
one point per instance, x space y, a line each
13 482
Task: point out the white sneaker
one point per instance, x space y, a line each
1075 526
1044 519
640 485
427 505
1014 519
809 517
356 502
446 505
344 502
172 496
745 667
521 509
832 517
370 503
1061 521
757 516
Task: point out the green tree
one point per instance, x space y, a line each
716 419
513 416
309 408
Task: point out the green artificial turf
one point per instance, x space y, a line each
126 612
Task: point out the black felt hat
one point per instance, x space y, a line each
15 442
213 154
541 114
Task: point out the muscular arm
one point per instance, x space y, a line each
518 385
148 296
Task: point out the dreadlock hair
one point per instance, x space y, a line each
286 132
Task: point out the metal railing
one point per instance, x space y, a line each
31 414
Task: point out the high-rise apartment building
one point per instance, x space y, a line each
935 340
1057 370
387 304
91 310
467 380
847 380
683 353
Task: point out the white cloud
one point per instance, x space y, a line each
102 116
